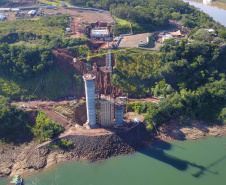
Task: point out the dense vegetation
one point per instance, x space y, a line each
149 15
14 123
3 2
23 62
191 77
45 128
26 59
47 25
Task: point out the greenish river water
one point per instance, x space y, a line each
200 162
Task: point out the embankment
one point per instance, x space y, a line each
20 159
13 159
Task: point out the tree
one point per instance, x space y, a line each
202 35
222 34
176 16
4 101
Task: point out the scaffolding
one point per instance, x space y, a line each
106 111
119 112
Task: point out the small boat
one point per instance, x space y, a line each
16 180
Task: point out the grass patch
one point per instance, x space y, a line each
122 27
53 84
54 2
122 22
54 26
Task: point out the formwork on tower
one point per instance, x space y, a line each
119 112
106 111
98 106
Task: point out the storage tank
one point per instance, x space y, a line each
119 112
89 80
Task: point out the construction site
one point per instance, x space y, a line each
99 104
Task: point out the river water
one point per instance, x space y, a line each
217 10
200 162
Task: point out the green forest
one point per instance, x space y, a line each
150 15
15 125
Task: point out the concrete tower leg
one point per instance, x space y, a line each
89 80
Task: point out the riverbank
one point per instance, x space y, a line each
14 160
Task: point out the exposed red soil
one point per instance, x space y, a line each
77 28
102 82
80 116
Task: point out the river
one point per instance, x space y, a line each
217 10
200 162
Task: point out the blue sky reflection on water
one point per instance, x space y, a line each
217 13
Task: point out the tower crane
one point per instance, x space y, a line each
97 55
114 27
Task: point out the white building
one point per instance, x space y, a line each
99 33
32 12
167 36
5 9
210 30
2 17
15 9
207 2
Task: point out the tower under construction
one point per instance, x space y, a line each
106 111
89 80
119 111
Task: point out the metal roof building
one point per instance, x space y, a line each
167 36
32 12
15 9
5 9
2 17
97 33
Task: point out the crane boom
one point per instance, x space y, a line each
99 55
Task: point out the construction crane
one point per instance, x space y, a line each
97 55
114 28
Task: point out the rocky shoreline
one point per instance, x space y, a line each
15 159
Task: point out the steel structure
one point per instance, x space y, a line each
119 112
99 54
107 104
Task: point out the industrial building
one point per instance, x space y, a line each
2 16
99 30
32 12
99 33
